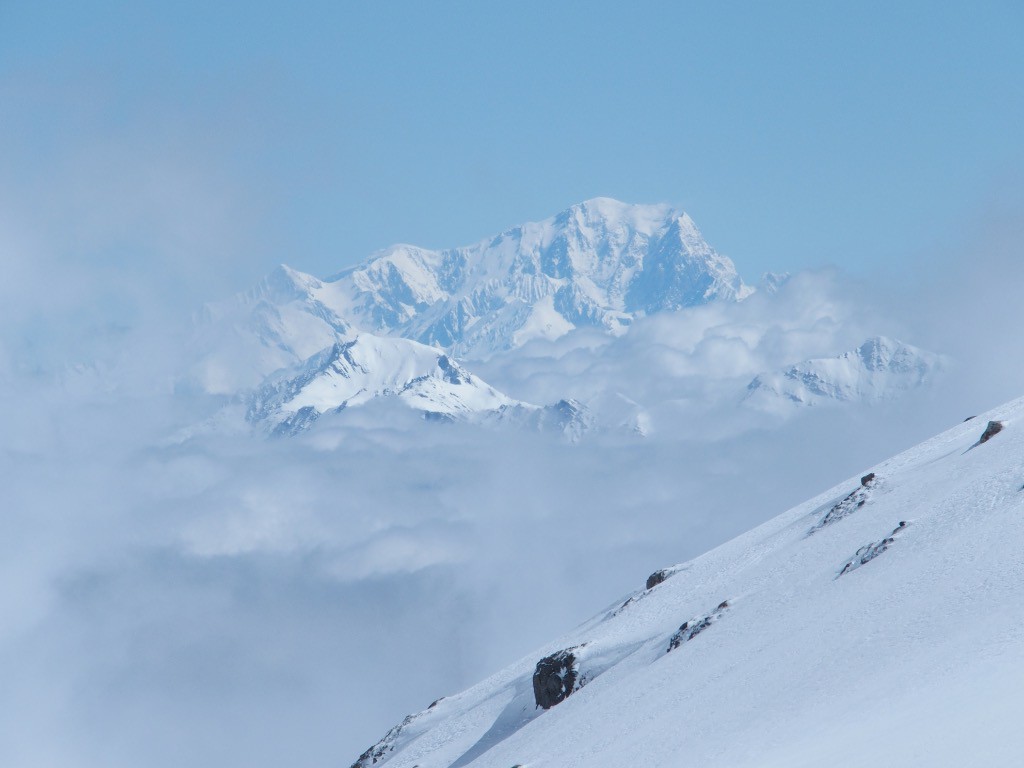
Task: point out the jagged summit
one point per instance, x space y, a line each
372 368
600 264
353 373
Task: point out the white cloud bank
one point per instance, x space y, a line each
237 602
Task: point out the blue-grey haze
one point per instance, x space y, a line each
258 603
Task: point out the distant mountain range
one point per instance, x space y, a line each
297 347
598 264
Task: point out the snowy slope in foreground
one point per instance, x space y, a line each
880 369
879 623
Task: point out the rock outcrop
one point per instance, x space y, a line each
556 677
853 501
993 429
657 577
690 629
869 552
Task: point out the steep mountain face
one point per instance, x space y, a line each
882 617
880 369
598 264
350 374
371 368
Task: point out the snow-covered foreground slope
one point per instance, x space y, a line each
879 623
880 369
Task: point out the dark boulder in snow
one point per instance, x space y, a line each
657 577
993 429
868 479
555 678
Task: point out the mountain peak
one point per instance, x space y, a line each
355 372
879 369
609 213
284 284
599 264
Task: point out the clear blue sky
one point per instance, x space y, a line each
796 134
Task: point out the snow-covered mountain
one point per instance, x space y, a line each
277 324
878 622
880 369
599 264
615 269
354 373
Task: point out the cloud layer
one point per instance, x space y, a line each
231 601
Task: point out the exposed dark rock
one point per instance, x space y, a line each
451 372
690 629
993 429
869 552
555 678
629 601
853 501
657 577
